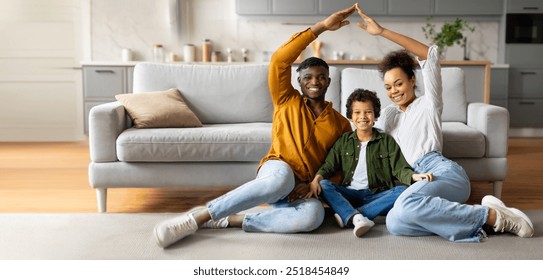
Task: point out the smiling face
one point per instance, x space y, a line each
363 115
314 82
400 88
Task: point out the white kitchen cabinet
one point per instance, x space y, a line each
102 83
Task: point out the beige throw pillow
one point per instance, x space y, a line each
158 109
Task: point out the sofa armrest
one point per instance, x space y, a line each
106 122
493 122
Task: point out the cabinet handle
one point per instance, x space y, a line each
526 103
528 73
104 71
530 8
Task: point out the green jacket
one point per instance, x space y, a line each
384 159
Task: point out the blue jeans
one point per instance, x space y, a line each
427 208
274 181
348 202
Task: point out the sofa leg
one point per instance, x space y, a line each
497 188
101 198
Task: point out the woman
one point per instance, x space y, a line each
415 122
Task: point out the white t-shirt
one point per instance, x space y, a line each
418 129
360 176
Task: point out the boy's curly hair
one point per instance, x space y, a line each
363 95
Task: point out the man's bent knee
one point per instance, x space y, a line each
311 214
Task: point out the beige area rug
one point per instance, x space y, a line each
129 237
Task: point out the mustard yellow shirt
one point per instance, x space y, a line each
298 138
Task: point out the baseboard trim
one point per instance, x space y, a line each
526 132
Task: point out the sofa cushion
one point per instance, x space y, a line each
462 141
248 142
454 93
158 109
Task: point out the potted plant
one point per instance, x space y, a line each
450 34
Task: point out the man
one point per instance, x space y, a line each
304 128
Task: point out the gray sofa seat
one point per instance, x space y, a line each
462 141
214 142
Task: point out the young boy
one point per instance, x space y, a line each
368 184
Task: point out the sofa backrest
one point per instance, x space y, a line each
220 93
454 93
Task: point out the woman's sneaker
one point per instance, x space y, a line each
509 219
361 225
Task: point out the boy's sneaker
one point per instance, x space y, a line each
361 225
175 229
509 219
339 221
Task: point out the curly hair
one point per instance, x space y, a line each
310 62
402 59
363 95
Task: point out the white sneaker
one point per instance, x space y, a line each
509 219
361 225
221 223
339 221
175 229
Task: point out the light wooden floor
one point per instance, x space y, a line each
52 178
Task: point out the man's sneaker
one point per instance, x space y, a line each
221 223
339 221
509 219
361 225
175 229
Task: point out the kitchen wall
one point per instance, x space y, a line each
138 24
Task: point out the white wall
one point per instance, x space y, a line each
40 87
138 24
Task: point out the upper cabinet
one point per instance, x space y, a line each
410 8
298 7
373 7
525 6
253 7
469 7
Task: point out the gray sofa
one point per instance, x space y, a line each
234 105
